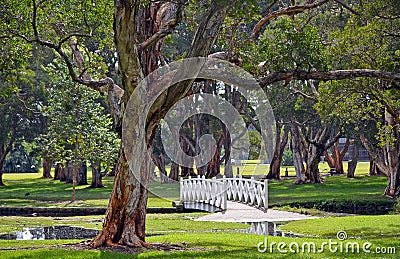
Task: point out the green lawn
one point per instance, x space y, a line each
202 239
207 242
51 193
220 245
356 227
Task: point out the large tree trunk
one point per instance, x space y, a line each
228 170
68 172
82 174
126 213
174 172
57 171
64 172
374 169
297 154
214 166
312 169
393 159
335 160
318 138
2 160
351 170
47 164
97 176
280 144
4 150
159 161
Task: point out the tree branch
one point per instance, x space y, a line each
329 75
292 10
309 97
168 17
74 34
346 6
102 85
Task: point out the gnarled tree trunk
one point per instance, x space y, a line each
47 164
317 145
126 213
97 175
280 144
57 171
4 150
335 160
174 172
351 170
297 154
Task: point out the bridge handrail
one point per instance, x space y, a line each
200 189
216 192
248 191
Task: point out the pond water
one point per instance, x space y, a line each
68 232
267 229
54 232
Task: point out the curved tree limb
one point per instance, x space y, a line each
292 10
168 17
102 85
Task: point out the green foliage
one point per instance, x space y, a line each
288 45
78 127
287 159
255 144
20 161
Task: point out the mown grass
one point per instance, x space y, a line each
42 252
202 240
51 193
355 227
218 245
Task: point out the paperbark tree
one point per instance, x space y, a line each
335 159
125 216
280 144
139 30
352 165
297 154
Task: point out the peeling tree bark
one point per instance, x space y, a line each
126 213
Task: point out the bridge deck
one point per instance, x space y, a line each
238 212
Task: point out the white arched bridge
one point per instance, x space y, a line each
213 194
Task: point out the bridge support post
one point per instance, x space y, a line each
224 194
266 194
181 189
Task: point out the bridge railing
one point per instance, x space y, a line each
209 191
216 192
248 191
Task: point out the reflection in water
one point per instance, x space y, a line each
55 232
267 229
